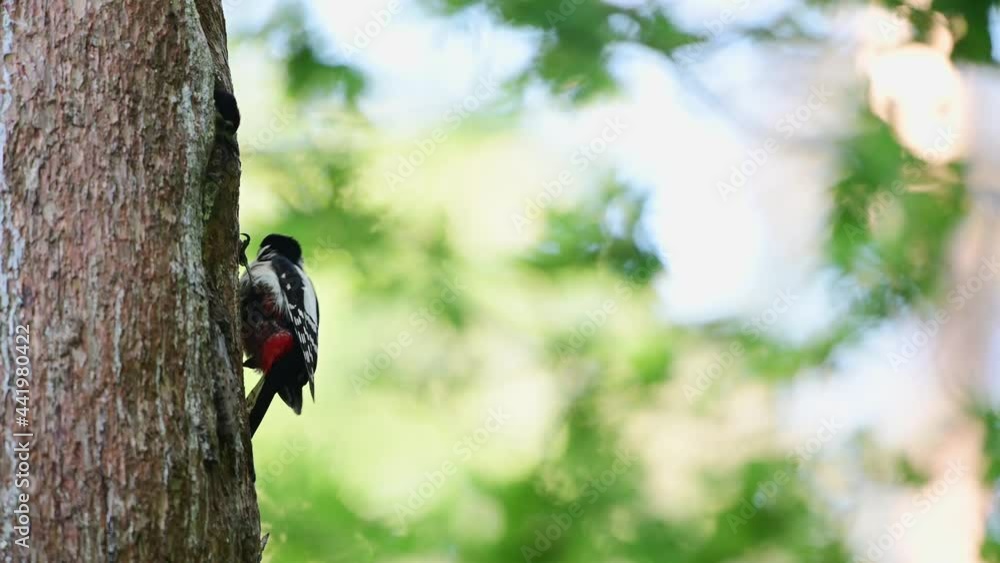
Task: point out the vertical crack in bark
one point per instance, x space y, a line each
221 437
221 212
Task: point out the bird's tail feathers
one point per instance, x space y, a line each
258 401
292 396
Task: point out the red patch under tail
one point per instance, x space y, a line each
274 348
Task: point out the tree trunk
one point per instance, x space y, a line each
118 245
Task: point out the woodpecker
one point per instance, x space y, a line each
227 117
280 326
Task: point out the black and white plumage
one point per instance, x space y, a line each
280 326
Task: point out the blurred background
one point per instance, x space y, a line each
632 281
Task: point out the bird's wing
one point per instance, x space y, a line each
302 312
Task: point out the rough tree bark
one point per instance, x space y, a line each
118 245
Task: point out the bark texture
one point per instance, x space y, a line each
118 244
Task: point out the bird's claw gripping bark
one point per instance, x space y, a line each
243 251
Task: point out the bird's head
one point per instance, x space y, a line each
280 245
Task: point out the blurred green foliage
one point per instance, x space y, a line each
309 70
976 44
585 500
905 263
577 36
599 232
